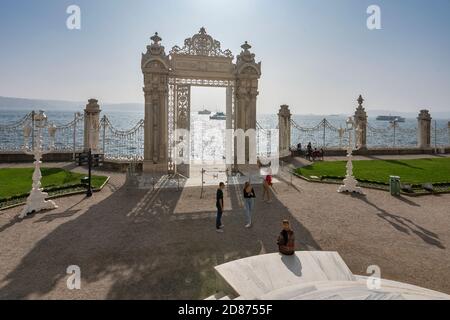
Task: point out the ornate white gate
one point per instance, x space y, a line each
167 87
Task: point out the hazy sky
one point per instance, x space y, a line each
317 55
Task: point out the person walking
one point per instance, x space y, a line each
249 203
267 184
286 239
219 206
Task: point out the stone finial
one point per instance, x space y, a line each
93 105
245 56
246 46
284 111
360 100
156 39
424 115
154 49
360 113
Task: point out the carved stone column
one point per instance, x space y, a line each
247 74
361 124
284 131
91 125
424 129
155 67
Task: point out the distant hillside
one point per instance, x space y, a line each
8 103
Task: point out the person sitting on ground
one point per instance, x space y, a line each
286 239
315 154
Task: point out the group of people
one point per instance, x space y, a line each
286 239
310 152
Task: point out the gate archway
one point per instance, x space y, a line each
167 86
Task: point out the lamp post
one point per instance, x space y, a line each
350 183
91 137
36 200
341 132
394 125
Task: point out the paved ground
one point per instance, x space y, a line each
134 243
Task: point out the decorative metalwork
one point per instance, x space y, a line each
171 126
36 200
381 136
318 134
68 137
202 44
202 82
11 133
263 136
122 145
440 136
182 121
179 111
183 106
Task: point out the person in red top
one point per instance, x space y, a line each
267 184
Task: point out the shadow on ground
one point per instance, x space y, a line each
405 225
133 246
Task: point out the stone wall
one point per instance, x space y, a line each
10 157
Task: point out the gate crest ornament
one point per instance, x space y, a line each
202 44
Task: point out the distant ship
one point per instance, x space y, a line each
204 111
218 116
391 118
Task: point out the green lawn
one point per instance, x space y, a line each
417 171
17 181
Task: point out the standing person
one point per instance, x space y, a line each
267 184
286 239
249 203
299 149
309 151
219 206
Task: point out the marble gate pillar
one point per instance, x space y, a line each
247 73
91 126
361 124
424 129
284 131
155 68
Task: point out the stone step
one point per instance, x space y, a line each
309 275
349 290
255 276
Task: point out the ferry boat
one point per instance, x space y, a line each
204 111
391 118
218 116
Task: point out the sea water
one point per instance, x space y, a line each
207 135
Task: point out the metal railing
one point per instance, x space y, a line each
264 141
68 137
323 134
122 145
392 136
